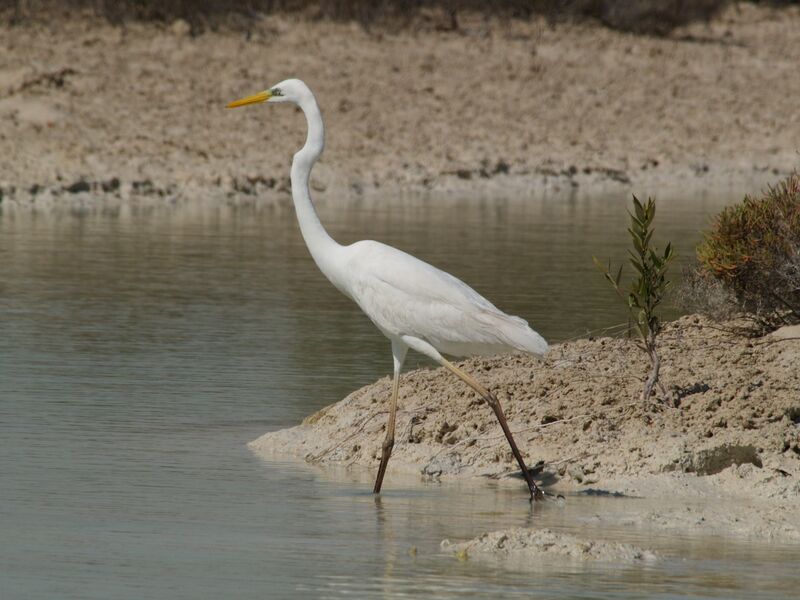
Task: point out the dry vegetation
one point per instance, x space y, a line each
641 16
749 261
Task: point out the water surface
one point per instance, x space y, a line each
141 350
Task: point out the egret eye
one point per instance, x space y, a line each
275 92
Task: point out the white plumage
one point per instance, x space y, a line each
405 296
413 303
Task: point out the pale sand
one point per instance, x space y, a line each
524 548
728 442
504 107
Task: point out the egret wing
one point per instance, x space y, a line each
406 296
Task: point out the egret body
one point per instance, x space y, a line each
414 304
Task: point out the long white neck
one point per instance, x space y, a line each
321 245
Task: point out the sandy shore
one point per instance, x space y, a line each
524 548
92 110
726 445
96 115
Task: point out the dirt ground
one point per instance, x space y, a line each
88 109
727 432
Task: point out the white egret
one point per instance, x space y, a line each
414 304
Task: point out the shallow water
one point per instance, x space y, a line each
140 352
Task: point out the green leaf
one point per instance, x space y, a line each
640 213
647 238
638 245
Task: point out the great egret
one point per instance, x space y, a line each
414 304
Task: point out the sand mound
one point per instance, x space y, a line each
733 401
730 428
521 546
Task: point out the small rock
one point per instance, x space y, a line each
711 461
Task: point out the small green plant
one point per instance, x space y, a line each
648 289
753 250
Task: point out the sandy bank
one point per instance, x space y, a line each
525 548
88 109
730 435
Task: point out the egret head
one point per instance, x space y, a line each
290 90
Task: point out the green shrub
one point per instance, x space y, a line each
648 289
753 249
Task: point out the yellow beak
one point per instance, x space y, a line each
254 99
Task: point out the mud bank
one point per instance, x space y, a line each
726 441
525 548
87 108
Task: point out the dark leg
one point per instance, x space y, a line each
494 403
388 442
